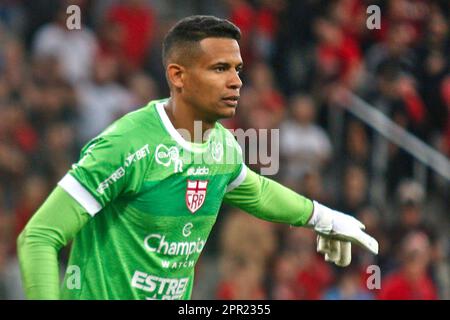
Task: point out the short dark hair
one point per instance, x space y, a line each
189 31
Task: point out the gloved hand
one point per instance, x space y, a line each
336 232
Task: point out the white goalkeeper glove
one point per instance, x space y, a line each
336 232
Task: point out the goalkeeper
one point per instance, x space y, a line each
141 201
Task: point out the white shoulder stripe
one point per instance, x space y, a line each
239 179
80 194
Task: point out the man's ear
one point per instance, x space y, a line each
175 74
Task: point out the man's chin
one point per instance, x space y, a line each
229 112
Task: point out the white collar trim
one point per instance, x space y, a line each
192 147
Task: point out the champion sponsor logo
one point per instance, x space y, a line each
159 244
195 194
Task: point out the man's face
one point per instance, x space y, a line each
211 82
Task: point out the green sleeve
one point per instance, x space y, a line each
110 165
269 200
56 222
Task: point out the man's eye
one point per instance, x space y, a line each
220 69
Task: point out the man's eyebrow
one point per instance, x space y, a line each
226 64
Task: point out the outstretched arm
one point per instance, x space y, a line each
269 200
56 222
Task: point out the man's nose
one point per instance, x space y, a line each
235 81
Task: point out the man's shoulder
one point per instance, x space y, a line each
143 122
136 128
228 139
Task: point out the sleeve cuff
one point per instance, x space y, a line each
80 194
239 179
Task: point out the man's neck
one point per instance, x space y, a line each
184 117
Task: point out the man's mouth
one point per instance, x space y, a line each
232 101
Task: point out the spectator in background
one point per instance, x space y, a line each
12 16
397 97
267 17
142 89
12 65
411 197
13 159
284 277
351 16
348 287
375 223
354 193
3 275
411 281
338 56
247 238
242 14
412 13
47 98
304 145
244 281
312 185
357 145
440 267
10 285
74 49
266 96
246 245
58 139
31 196
414 110
101 100
312 274
395 51
133 24
434 66
444 140
259 25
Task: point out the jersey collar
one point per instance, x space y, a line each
189 146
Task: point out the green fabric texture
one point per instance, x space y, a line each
54 224
268 200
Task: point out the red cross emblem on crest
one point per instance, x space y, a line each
195 194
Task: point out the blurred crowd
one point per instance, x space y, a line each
60 87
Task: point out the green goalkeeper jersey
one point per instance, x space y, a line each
154 198
140 205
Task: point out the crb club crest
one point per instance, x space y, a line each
195 194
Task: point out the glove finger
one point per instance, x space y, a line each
346 254
323 245
359 224
335 250
367 242
360 238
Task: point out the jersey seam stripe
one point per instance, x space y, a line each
239 179
74 188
